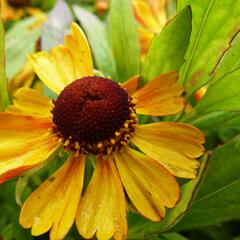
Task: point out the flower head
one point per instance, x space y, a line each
94 115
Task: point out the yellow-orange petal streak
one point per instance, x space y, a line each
145 16
174 145
159 8
54 204
131 85
102 208
149 186
31 102
78 46
161 96
145 39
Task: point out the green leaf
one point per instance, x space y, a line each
22 184
166 236
167 49
188 192
6 232
214 24
125 39
43 4
223 95
11 211
219 196
230 61
4 100
172 236
98 37
216 120
20 41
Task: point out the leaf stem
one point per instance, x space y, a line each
4 98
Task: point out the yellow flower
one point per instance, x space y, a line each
152 17
93 115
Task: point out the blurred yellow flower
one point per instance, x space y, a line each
152 17
94 115
13 10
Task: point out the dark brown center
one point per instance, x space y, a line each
90 110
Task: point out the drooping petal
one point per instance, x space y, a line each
64 64
24 143
131 85
79 48
160 97
54 204
174 145
31 102
102 208
149 186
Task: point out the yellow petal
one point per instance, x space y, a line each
131 85
174 145
145 16
64 63
24 143
54 204
79 48
27 155
30 102
46 69
102 208
15 127
149 186
160 97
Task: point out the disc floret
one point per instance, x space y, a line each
94 115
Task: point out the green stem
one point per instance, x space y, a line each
4 98
189 117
